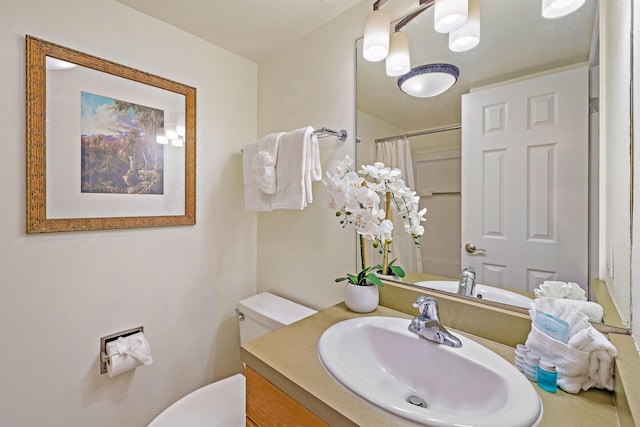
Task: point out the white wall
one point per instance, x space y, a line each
59 293
300 253
615 159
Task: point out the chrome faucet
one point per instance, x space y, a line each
467 282
428 326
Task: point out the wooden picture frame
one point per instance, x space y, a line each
98 151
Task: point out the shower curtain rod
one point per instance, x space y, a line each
424 132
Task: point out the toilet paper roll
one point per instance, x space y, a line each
119 364
127 353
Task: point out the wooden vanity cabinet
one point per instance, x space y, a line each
268 406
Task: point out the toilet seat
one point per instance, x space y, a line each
222 401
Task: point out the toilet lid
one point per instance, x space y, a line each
220 404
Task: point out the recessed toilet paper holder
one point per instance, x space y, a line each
104 357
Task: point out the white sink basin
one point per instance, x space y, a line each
489 293
378 359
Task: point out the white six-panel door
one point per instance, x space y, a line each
525 181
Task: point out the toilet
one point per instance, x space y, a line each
222 404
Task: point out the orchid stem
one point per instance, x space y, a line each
385 254
363 251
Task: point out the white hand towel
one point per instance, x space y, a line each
264 163
292 170
556 289
254 198
313 172
314 163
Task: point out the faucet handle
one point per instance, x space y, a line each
428 307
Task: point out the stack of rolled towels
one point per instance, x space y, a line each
562 334
573 295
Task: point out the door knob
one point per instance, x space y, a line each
471 248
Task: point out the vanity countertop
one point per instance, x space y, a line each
288 359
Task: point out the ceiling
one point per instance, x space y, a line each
253 29
515 41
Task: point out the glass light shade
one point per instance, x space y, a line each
398 61
467 37
449 15
559 8
430 80
161 139
377 27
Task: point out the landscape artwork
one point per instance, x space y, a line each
120 154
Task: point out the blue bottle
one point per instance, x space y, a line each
547 376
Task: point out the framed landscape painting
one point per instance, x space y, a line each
108 146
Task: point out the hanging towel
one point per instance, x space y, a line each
293 186
254 198
585 361
313 172
264 163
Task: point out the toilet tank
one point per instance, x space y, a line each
265 312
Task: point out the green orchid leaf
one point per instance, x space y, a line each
397 270
374 279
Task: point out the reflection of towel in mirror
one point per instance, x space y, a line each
586 360
556 289
264 163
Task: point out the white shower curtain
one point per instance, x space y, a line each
397 154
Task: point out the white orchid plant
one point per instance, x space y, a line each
356 199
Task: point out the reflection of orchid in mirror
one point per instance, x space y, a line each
355 197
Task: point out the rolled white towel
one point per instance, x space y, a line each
601 356
556 289
592 310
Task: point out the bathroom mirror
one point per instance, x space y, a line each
516 43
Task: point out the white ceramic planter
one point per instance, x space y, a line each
361 299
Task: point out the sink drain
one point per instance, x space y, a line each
417 401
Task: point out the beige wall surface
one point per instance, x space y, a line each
59 293
300 253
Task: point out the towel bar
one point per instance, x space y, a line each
324 132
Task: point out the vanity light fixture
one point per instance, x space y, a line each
560 8
398 61
376 35
460 18
428 80
450 15
468 36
